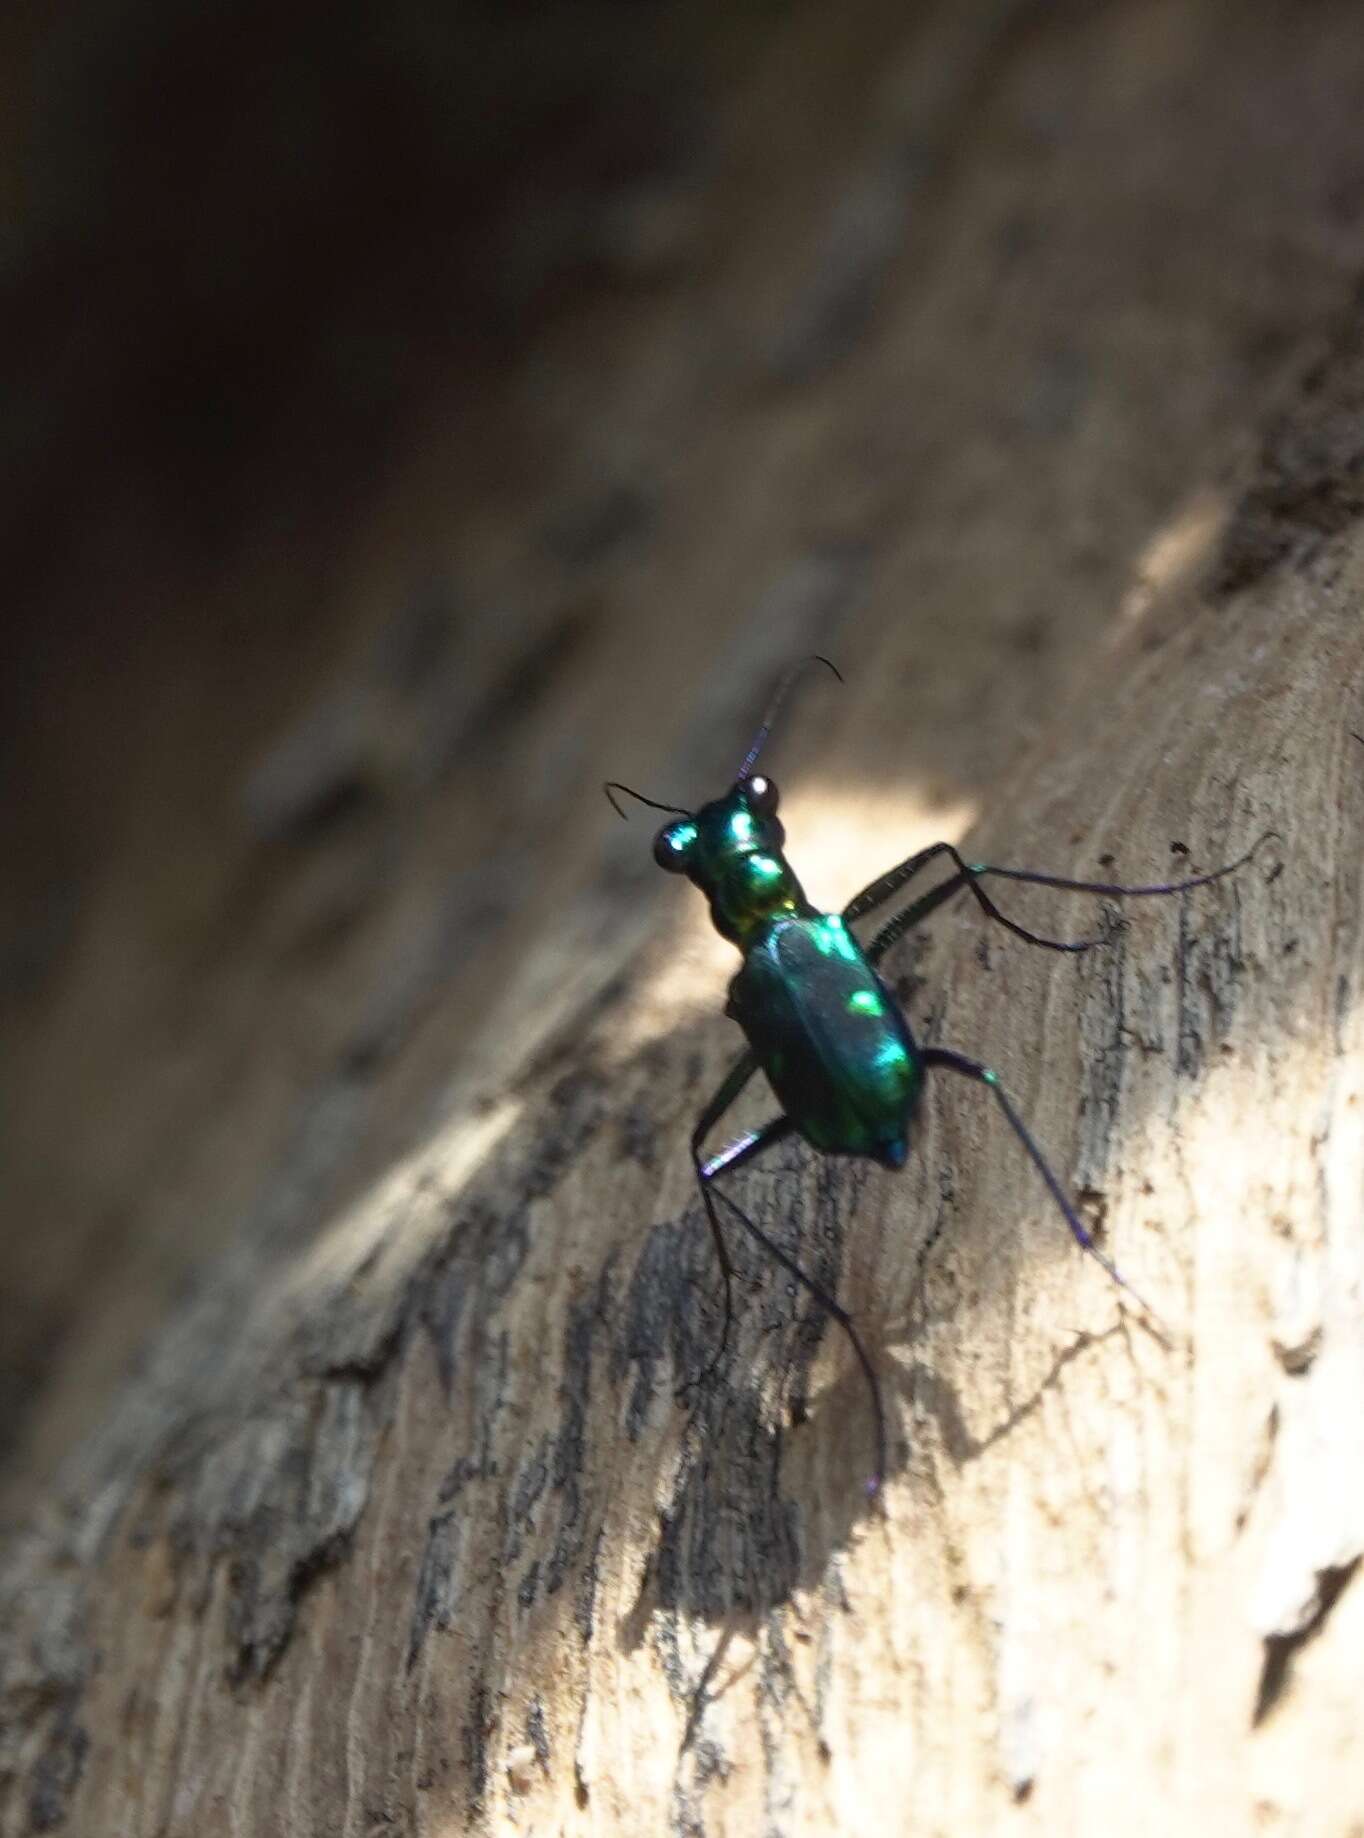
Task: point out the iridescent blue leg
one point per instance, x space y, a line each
918 910
972 1069
1115 888
967 876
879 891
744 1149
733 1083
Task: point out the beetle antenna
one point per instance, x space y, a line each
783 689
612 786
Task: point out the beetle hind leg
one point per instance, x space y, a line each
944 1058
837 1312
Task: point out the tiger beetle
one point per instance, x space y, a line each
821 1023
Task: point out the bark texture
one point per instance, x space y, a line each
1014 356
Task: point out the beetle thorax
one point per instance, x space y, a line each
739 865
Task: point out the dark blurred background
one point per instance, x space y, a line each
414 415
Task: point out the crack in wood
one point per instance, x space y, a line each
1281 1649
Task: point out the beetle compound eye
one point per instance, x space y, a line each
761 795
673 846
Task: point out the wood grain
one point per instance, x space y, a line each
359 1499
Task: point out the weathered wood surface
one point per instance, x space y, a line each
397 1525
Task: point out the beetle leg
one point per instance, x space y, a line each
967 875
743 1149
1114 887
984 1075
915 914
879 891
764 1138
733 1083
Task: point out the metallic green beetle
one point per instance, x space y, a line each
820 1023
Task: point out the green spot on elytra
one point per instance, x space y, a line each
832 940
866 1002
